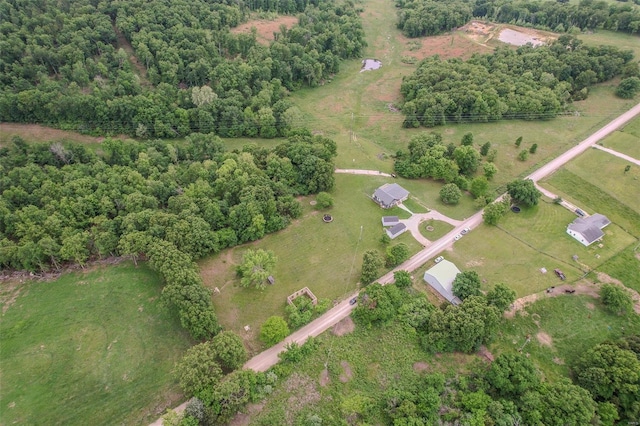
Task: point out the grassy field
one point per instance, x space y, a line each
623 41
514 252
326 257
89 348
625 266
572 324
626 143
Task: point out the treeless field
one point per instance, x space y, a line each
38 133
265 28
456 44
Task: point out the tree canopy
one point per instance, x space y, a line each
524 191
256 266
466 284
273 330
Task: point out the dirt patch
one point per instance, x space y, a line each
484 352
9 293
456 44
265 28
590 306
420 366
558 361
343 327
473 263
324 377
602 277
347 373
544 339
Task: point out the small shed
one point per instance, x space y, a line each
440 277
396 230
390 220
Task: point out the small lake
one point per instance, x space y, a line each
518 38
370 65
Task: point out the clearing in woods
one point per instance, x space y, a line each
265 28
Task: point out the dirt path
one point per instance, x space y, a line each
618 154
361 172
582 287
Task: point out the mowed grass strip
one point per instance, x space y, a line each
90 348
440 229
574 323
624 142
633 128
574 188
326 257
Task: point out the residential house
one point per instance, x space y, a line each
389 195
588 230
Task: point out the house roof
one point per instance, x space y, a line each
390 192
390 220
397 229
445 272
590 227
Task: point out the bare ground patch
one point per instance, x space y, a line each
347 373
265 28
544 339
343 327
243 419
420 366
456 44
590 306
324 378
474 262
486 353
558 361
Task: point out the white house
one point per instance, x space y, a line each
440 277
396 230
587 230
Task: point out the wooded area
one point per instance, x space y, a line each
417 18
69 66
169 203
528 83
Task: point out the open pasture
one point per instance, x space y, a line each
92 347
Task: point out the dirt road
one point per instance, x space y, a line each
618 154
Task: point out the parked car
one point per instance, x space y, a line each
465 230
353 301
560 274
393 175
457 237
439 259
580 213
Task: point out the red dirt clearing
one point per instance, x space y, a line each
452 45
38 133
265 28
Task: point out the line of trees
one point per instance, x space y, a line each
68 66
170 204
527 83
418 18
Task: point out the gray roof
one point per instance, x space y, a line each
390 193
397 229
390 220
441 277
590 227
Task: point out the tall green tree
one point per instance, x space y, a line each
230 350
273 330
524 191
198 370
371 263
256 267
466 284
617 299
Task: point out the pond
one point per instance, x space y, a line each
518 38
370 65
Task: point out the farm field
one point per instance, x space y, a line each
626 141
92 346
326 257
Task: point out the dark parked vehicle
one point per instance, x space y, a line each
580 213
353 301
560 274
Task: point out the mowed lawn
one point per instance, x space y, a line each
326 257
89 348
522 244
627 140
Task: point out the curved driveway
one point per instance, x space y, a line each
268 358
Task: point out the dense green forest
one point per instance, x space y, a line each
169 203
527 83
417 18
66 65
